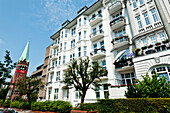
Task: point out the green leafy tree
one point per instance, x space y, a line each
82 73
5 73
29 87
149 87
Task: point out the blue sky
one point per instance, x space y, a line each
35 21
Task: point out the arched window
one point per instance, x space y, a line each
163 70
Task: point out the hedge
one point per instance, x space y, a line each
54 106
1 102
20 105
6 104
128 105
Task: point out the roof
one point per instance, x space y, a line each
25 54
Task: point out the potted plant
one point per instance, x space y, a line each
165 41
137 51
158 43
150 46
144 47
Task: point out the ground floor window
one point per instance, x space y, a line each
97 91
56 93
128 78
78 94
162 71
106 90
49 94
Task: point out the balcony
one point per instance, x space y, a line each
147 50
96 19
120 42
55 45
117 22
98 53
124 65
53 57
97 35
117 5
51 69
104 76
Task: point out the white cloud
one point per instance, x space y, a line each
55 12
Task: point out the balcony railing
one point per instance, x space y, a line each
120 39
117 22
123 63
151 49
96 19
51 69
115 6
98 53
96 35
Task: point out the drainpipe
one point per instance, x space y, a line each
163 18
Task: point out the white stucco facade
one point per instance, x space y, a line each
102 32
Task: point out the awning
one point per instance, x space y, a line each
119 55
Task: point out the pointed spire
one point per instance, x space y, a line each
25 54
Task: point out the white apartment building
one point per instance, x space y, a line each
109 31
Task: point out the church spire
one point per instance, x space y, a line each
25 54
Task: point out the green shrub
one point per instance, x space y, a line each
6 104
15 104
24 105
1 102
54 106
128 105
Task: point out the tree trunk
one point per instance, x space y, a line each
29 99
83 95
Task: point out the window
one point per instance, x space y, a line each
97 89
73 31
49 93
162 71
58 76
66 33
134 3
100 28
141 2
80 22
51 77
58 40
106 91
56 93
78 94
162 36
154 15
59 60
79 36
73 56
128 78
72 43
62 34
60 47
120 33
70 57
146 18
144 42
102 46
94 31
153 39
95 48
104 64
64 59
53 63
79 52
139 22
85 20
65 45
85 50
55 50
56 63
85 33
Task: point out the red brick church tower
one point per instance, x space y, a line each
20 73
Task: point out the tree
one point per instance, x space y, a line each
5 73
29 87
83 73
150 87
